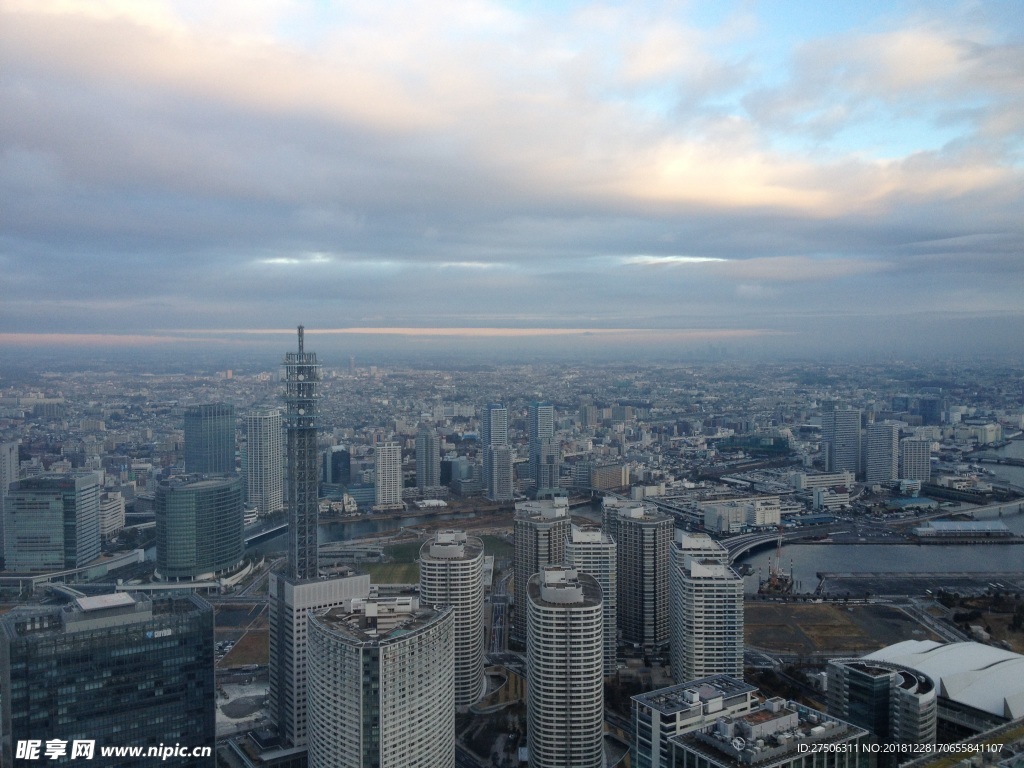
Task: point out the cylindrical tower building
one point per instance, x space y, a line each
199 527
565 665
451 573
381 686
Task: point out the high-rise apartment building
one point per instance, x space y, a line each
915 459
590 550
707 615
543 452
52 522
497 455
451 573
388 483
428 459
541 528
882 456
840 440
643 537
381 686
210 439
199 527
565 669
265 460
116 670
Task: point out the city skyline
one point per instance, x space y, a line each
576 177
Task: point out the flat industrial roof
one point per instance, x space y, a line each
99 602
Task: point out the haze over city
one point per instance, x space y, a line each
766 178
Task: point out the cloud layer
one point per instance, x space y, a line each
176 165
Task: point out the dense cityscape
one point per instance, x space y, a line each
511 384
585 565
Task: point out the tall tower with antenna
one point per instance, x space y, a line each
302 383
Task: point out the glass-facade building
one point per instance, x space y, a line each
52 522
199 526
115 669
210 439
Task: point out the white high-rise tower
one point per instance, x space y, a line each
591 550
707 616
388 464
451 573
264 460
565 667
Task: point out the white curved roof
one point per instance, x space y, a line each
980 676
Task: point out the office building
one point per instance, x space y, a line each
589 550
111 514
979 686
659 715
290 602
898 705
382 685
9 466
778 734
52 522
707 615
210 439
388 476
114 669
643 537
840 441
428 460
199 527
337 468
565 669
882 454
264 461
497 455
451 573
543 453
302 391
915 459
540 529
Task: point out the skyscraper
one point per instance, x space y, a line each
388 465
882 455
590 550
8 474
428 459
707 610
302 382
916 459
840 441
52 522
382 685
114 669
295 593
199 528
451 573
565 669
543 452
643 537
264 460
497 455
541 528
210 439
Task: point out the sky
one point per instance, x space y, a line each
796 177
